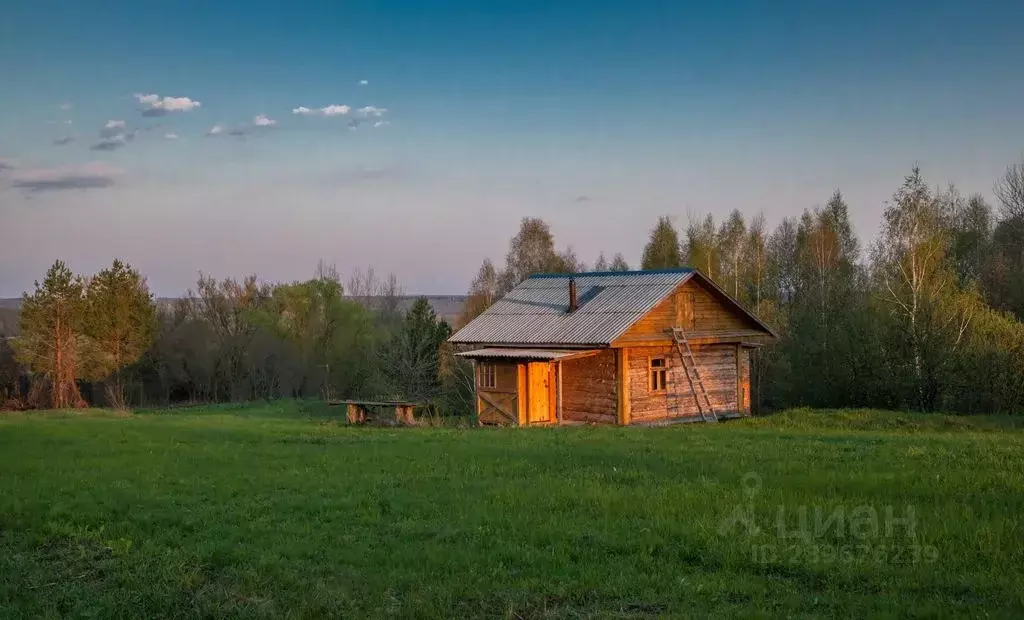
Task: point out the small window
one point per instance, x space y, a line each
659 374
488 376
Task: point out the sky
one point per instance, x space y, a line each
232 138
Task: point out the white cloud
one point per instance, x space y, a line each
170 136
363 82
65 106
331 110
159 106
61 122
66 140
183 104
261 120
371 111
85 176
215 130
381 124
335 110
114 125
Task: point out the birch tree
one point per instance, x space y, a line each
618 263
483 292
532 250
755 254
1009 189
1004 274
732 245
910 263
702 246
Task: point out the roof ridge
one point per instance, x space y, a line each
679 270
609 285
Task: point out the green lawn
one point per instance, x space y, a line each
279 510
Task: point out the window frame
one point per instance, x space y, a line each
487 376
657 375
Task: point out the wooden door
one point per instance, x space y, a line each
538 379
497 392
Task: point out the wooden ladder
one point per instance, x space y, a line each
707 410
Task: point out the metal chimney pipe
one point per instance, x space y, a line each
573 301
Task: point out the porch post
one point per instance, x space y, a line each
624 415
558 387
476 395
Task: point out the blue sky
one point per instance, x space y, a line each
597 116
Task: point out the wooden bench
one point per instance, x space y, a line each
361 411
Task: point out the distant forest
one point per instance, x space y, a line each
928 316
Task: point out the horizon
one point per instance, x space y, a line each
260 138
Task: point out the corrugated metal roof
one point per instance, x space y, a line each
525 354
535 311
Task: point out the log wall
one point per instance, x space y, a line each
588 388
718 367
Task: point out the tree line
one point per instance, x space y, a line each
103 340
927 317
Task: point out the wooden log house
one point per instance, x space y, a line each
637 347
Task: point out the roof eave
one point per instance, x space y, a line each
711 283
531 345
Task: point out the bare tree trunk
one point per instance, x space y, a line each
56 388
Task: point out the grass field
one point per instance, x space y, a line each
278 510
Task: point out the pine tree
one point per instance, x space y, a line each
662 250
824 303
50 337
411 361
120 323
972 239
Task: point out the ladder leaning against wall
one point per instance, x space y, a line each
700 393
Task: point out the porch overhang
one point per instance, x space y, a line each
532 354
